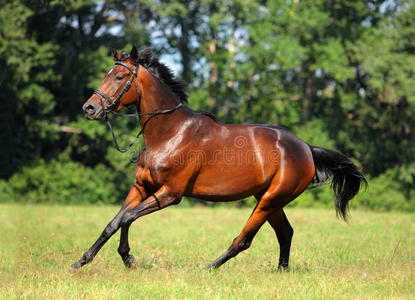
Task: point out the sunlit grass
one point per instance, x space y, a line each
372 257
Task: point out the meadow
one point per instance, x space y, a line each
372 257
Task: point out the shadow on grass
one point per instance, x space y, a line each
296 269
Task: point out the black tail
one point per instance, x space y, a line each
346 178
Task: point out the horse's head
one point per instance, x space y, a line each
117 90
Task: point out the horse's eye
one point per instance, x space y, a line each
119 77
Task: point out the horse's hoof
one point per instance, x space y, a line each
283 268
76 266
210 267
130 262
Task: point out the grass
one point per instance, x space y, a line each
372 257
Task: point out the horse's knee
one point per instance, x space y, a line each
127 218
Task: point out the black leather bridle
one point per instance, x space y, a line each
114 103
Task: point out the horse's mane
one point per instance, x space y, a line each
150 60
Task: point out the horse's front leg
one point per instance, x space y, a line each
164 197
135 196
109 230
161 199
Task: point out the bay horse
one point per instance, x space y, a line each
189 153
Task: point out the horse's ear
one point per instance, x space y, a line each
134 54
116 55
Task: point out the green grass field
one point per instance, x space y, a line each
372 257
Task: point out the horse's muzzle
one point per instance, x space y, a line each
91 112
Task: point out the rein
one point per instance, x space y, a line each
114 103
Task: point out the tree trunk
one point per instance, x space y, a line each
308 99
213 79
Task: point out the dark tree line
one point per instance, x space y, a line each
340 74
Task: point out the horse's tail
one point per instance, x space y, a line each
346 178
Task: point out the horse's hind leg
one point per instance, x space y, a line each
269 203
284 232
243 241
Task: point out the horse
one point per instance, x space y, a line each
189 153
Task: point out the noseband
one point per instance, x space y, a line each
114 104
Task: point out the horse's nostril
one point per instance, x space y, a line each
90 109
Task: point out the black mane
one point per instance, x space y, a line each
150 60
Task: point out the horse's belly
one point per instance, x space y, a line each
224 184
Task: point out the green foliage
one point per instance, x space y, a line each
64 183
388 192
340 74
315 134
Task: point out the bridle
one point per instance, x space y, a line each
114 104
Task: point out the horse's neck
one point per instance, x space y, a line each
155 96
